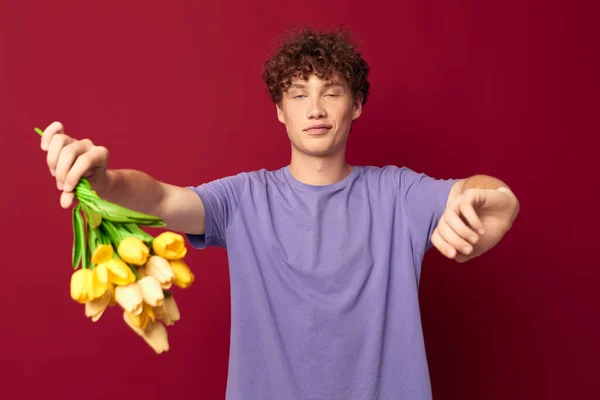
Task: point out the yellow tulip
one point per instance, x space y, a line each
168 312
96 307
82 285
119 273
130 298
102 254
169 245
183 275
152 293
146 316
155 334
100 280
133 251
160 269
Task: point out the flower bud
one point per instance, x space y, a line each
130 298
133 251
159 268
168 312
102 254
152 293
119 273
169 245
96 307
155 334
183 275
82 285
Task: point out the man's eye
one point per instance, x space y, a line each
332 95
298 96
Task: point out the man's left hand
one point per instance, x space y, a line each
475 222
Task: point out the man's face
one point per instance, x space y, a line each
318 114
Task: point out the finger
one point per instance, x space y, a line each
92 159
68 156
453 238
468 212
59 141
66 199
444 247
461 258
52 129
459 226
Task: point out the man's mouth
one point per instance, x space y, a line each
317 129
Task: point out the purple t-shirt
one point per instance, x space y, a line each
324 281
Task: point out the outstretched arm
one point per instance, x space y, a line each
70 159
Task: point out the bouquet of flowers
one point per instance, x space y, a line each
116 262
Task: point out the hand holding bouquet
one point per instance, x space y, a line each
116 262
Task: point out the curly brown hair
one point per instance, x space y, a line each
307 51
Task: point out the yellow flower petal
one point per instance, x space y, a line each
96 307
102 254
155 334
119 273
183 275
100 280
130 298
144 318
151 291
159 268
169 245
168 313
82 285
133 251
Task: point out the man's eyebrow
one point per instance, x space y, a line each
297 86
327 85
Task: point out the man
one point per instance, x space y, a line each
324 257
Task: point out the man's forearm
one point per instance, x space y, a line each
133 189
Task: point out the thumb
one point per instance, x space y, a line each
66 199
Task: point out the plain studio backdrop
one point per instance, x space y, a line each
505 88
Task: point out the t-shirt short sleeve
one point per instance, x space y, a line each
221 199
424 199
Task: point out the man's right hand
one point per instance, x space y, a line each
69 160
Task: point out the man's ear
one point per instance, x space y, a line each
280 116
357 106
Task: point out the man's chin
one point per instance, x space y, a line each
318 152
318 148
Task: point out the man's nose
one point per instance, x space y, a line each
316 110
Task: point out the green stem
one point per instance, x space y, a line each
135 272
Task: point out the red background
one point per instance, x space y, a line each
505 88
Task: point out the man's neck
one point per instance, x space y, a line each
319 171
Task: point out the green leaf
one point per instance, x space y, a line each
93 218
86 258
113 212
104 239
135 230
93 241
78 237
111 232
116 210
39 131
118 214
